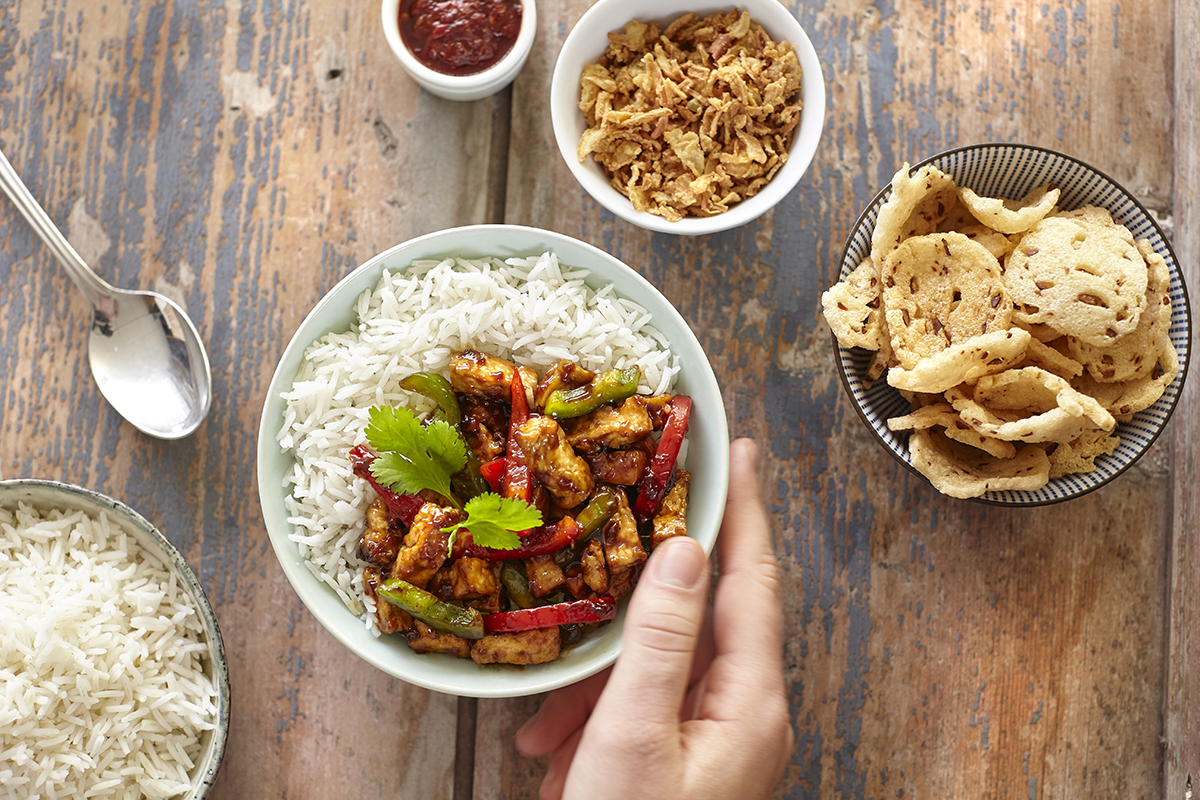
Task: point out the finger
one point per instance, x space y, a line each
661 631
747 618
562 713
560 767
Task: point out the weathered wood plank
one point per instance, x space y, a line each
1182 699
935 647
240 157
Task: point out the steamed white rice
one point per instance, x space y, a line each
533 311
103 691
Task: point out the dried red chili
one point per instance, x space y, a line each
459 37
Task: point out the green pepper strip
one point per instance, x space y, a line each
599 510
516 583
439 390
445 617
608 387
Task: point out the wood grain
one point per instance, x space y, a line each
240 158
243 156
1182 698
934 648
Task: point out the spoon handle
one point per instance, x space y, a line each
92 286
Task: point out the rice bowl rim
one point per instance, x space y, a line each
708 446
49 495
1151 422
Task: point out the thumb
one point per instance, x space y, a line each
662 628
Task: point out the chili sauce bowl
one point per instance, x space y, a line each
474 86
707 456
586 43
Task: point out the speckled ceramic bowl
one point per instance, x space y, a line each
707 457
586 43
48 495
1011 170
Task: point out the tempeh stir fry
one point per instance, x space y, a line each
512 519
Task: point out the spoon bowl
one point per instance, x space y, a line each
146 355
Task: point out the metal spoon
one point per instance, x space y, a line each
145 353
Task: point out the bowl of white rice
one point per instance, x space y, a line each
525 294
113 678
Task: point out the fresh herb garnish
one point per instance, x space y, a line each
494 521
415 457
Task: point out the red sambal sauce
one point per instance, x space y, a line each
459 37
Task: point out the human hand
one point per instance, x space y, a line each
693 708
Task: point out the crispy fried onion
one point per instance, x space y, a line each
692 119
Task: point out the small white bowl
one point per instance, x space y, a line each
707 457
586 44
463 87
52 495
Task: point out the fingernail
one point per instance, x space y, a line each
677 562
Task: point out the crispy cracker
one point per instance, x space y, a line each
1079 455
1079 278
1011 216
917 204
941 289
963 363
1029 405
852 308
960 471
1134 355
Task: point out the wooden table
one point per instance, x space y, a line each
241 157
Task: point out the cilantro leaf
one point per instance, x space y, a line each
413 457
494 521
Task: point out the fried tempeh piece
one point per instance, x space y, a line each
425 545
473 372
595 571
536 646
473 577
618 467
484 425
611 426
622 547
382 538
544 575
552 461
671 519
388 617
425 639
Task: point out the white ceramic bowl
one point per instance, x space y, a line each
463 87
49 495
1011 170
707 457
586 43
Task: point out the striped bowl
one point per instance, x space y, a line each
1011 170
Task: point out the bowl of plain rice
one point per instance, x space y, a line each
529 295
114 679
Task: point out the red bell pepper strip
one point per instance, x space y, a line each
517 481
658 472
570 612
537 542
405 506
493 473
